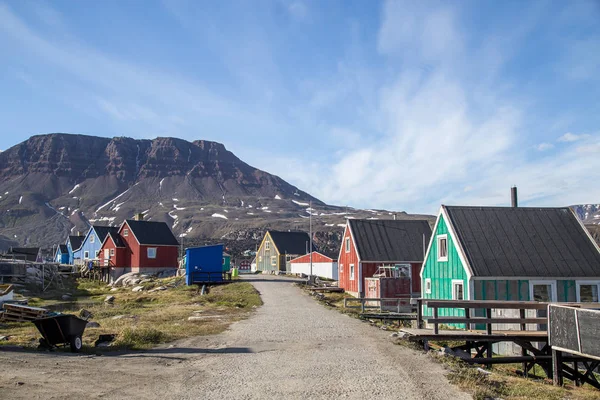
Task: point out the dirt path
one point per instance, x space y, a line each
291 348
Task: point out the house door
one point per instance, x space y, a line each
106 257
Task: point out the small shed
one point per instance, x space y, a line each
204 264
226 262
322 266
245 266
62 254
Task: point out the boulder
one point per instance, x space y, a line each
109 299
119 281
92 325
157 289
137 289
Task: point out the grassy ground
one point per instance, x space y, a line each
503 383
141 319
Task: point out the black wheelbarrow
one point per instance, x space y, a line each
61 329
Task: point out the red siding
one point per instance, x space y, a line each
344 261
120 258
316 258
166 256
367 269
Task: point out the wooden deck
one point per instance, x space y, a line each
475 335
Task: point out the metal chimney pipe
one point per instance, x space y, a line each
513 197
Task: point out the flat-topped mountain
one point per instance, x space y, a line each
55 184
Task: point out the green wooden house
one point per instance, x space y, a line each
510 253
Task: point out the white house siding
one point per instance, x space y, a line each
327 270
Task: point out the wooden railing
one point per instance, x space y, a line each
400 304
469 319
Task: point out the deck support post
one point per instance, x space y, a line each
557 370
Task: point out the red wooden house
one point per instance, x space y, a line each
368 245
140 246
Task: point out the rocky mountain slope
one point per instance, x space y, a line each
57 184
588 213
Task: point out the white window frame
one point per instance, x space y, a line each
347 245
155 252
267 245
92 238
552 283
112 252
125 232
86 255
427 285
273 261
97 252
438 242
456 282
352 272
586 283
341 268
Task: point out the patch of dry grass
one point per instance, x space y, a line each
503 383
141 319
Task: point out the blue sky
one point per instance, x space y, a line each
397 105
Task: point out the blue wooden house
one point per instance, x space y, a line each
73 245
62 254
92 242
510 253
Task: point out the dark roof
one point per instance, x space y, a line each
152 233
290 242
117 239
27 253
63 248
102 231
76 241
527 242
390 240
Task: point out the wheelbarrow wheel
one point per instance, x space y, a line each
75 344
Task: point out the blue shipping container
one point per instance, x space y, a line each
204 264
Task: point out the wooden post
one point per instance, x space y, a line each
523 350
468 316
488 315
362 304
419 314
557 371
436 329
576 374
398 306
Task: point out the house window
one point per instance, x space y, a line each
92 238
289 258
259 258
151 252
341 267
274 260
348 245
587 291
97 252
86 255
267 245
428 286
544 291
457 290
351 272
125 232
112 252
442 247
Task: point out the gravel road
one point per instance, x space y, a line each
292 348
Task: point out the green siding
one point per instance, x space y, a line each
442 273
518 290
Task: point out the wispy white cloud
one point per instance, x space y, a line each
544 146
571 137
